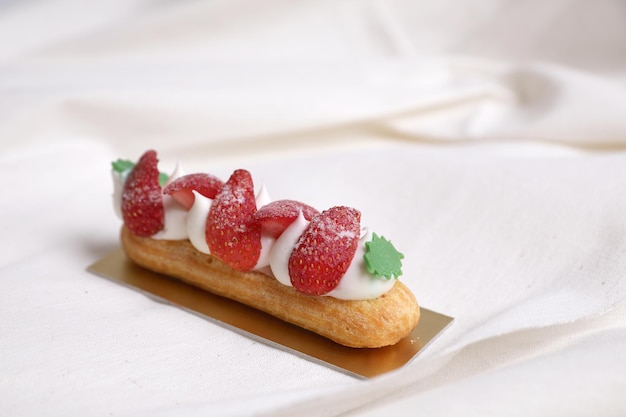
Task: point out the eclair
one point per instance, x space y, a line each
319 270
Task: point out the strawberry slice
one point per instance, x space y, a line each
231 231
181 188
325 250
276 216
142 199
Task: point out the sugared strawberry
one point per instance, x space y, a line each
276 216
325 250
142 199
231 231
181 188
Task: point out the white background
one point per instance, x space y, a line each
486 138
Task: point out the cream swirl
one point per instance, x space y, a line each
196 222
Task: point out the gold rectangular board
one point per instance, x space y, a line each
360 363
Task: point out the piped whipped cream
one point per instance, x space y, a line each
180 224
196 222
267 242
279 258
175 225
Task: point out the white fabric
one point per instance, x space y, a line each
486 138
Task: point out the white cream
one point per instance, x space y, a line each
175 221
267 241
262 197
196 222
118 189
281 251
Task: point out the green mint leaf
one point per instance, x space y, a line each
122 165
163 178
382 259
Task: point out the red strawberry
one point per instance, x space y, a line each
231 231
276 216
325 250
142 199
181 188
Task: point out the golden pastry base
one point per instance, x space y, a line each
361 363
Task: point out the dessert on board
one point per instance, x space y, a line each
317 269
